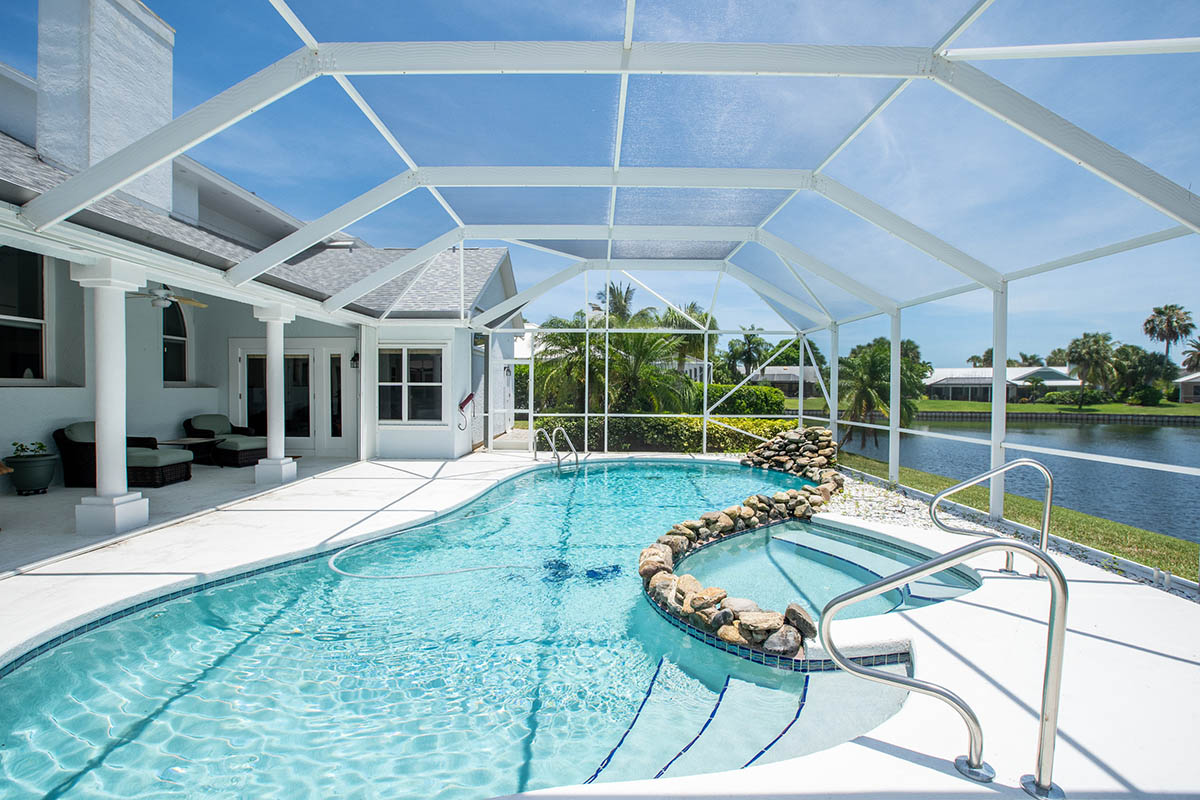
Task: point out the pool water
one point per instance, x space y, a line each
300 682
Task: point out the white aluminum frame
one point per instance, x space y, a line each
40 224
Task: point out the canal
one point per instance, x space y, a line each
1157 501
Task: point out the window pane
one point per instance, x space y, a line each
391 403
425 366
425 402
391 366
296 396
174 360
335 396
173 321
256 394
20 283
20 350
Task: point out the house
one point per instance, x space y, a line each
1189 388
786 378
975 383
130 312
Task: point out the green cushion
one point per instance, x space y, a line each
235 441
217 423
145 457
84 432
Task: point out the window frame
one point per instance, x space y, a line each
404 385
45 263
187 348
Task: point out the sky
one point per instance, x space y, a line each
931 157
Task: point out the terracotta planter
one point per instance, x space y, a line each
32 474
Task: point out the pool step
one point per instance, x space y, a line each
675 707
747 718
928 589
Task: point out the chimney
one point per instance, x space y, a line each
104 81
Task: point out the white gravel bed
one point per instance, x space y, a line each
871 502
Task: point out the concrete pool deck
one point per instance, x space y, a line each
1130 711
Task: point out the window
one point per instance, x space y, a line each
22 316
174 345
410 384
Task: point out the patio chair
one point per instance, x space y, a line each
239 446
145 464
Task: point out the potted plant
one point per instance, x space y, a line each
32 467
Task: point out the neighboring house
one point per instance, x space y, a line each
975 383
1189 388
378 349
786 378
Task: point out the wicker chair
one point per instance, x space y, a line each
239 447
146 465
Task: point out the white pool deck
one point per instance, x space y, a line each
1130 716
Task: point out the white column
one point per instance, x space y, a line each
999 396
275 468
113 509
894 404
800 413
833 379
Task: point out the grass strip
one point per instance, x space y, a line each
1146 547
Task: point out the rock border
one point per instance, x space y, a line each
709 610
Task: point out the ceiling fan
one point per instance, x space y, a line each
161 298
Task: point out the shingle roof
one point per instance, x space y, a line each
317 273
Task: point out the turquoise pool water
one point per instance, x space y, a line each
303 683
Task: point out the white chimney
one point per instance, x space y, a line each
104 81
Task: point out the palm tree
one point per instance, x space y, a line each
977 361
1092 356
690 346
1191 356
866 381
1169 324
1030 360
636 380
754 348
1057 357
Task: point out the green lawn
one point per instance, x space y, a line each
817 405
1135 544
925 404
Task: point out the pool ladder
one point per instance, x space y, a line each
1043 541
550 439
972 765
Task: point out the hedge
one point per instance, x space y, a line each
663 434
748 399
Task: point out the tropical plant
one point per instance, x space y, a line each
1037 388
1092 357
909 349
1030 360
619 306
977 361
1057 357
1191 355
1136 368
29 449
754 349
637 381
865 382
690 346
1169 324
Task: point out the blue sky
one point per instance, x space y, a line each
931 157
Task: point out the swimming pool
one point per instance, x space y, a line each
517 655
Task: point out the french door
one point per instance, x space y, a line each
320 393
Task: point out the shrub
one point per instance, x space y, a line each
1145 396
521 385
1071 398
663 434
748 399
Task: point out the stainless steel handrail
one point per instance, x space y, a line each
549 441
567 439
972 765
1020 462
